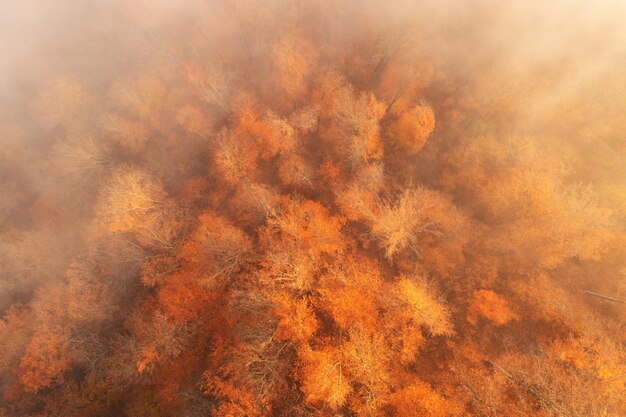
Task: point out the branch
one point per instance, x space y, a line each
532 391
604 297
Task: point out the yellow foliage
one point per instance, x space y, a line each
323 378
423 307
128 198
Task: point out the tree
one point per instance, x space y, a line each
420 397
15 335
293 57
213 84
286 265
350 293
273 135
155 270
489 305
356 120
312 209
368 365
163 227
150 339
358 198
234 157
128 198
252 203
216 250
193 120
89 300
416 218
323 379
298 322
415 314
296 172
47 358
411 128
420 306
535 215
309 224
131 135
84 158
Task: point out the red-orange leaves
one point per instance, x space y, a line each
272 135
216 250
350 293
411 128
297 318
417 218
152 339
323 378
311 208
47 358
367 362
147 357
413 312
183 300
420 399
491 306
420 305
293 58
309 223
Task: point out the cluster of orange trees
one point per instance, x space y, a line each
326 208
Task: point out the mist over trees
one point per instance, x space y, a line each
312 208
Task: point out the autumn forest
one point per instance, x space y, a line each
322 208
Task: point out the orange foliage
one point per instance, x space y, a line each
491 306
412 127
297 319
293 57
323 379
309 223
46 359
312 208
421 398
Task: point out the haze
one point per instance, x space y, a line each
312 208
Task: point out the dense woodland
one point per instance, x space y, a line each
313 208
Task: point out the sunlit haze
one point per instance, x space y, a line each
316 208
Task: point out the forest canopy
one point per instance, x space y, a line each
323 208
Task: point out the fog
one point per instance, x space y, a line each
312 208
